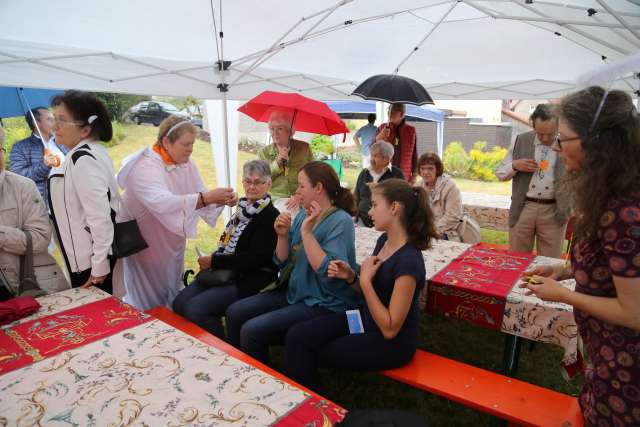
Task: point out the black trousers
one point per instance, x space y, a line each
80 278
325 342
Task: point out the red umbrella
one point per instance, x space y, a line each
309 115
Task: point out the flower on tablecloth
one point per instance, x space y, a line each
203 376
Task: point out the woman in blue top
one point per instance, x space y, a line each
322 232
390 281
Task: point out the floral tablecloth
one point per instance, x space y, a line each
153 375
489 211
525 316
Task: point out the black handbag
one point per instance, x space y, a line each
211 278
127 239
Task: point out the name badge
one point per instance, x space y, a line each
355 322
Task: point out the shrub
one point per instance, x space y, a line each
478 164
456 160
15 129
321 146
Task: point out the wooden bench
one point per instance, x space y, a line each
513 400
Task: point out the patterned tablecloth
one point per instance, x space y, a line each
489 210
525 316
152 374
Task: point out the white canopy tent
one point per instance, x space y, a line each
468 49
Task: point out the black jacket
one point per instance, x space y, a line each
252 261
362 192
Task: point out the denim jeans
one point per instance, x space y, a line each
256 322
205 306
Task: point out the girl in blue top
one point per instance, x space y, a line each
390 281
321 233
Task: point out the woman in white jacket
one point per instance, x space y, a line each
83 193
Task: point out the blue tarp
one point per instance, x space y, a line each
360 110
17 101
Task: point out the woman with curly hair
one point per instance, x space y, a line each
599 141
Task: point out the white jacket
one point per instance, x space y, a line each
82 195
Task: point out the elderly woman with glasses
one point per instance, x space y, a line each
163 191
286 156
245 251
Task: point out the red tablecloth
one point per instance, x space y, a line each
474 287
47 336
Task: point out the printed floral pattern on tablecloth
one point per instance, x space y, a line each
61 301
530 317
153 375
50 335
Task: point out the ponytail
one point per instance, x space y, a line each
344 200
417 217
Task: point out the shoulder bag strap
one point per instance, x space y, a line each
27 274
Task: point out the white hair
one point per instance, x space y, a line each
384 148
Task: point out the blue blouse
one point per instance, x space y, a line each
336 236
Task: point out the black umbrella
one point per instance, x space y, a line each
393 88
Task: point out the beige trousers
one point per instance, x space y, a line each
537 223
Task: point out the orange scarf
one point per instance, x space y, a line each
166 158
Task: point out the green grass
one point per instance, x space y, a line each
450 338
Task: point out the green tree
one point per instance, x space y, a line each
118 103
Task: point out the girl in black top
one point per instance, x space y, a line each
390 281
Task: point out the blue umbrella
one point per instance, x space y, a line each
15 101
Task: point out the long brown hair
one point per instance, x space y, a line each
320 172
611 153
417 217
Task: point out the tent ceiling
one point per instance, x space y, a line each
470 49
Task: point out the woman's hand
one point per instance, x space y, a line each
204 262
545 288
219 196
310 220
339 269
369 269
233 200
554 272
282 224
94 280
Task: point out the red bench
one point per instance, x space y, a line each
513 400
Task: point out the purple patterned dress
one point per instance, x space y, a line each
611 392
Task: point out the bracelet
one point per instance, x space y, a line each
202 199
356 276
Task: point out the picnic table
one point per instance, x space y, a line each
524 316
143 371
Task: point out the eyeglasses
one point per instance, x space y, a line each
559 141
249 183
61 123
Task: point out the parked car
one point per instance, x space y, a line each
154 112
197 121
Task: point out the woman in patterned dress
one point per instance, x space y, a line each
599 141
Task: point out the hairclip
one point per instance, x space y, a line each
174 127
92 118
